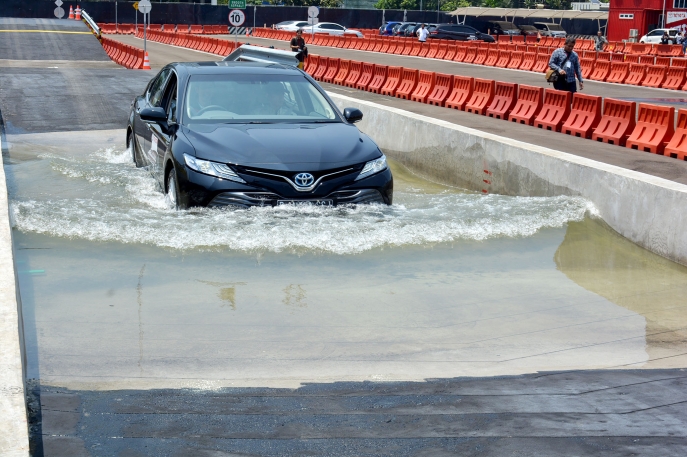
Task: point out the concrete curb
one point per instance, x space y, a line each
14 432
647 210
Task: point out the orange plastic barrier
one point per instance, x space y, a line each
482 95
655 76
492 57
441 51
617 121
603 56
654 128
663 61
481 56
637 48
503 59
365 76
470 55
619 71
311 64
541 64
675 78
554 111
451 51
676 62
353 74
588 55
601 70
584 116
587 66
677 147
409 79
425 85
515 60
647 60
632 58
505 95
443 84
332 70
321 69
344 68
460 93
528 105
636 75
528 60
378 79
393 78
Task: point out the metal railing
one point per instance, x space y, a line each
248 53
91 23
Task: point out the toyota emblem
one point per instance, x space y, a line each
304 179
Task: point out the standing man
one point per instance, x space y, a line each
298 45
422 33
600 41
566 62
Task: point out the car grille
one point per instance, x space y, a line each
288 176
247 199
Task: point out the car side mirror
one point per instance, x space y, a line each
155 114
353 115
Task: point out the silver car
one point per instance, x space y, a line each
332 29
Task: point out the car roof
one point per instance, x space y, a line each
223 68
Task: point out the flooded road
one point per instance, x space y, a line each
119 291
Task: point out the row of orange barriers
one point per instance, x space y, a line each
131 29
663 72
651 129
123 54
199 43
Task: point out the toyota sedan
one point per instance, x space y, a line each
252 134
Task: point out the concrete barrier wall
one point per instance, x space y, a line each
649 211
14 432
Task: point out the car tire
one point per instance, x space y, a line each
134 151
172 194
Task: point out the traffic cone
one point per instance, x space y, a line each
78 13
71 12
146 62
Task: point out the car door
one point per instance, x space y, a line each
654 36
161 138
153 99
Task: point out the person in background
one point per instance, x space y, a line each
665 39
600 41
298 45
538 36
682 39
567 63
422 33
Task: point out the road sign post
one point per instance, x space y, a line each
144 7
313 12
236 19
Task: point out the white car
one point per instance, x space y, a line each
291 26
654 37
332 29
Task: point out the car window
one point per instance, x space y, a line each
672 32
336 27
540 26
556 28
157 87
169 101
327 26
302 24
656 33
242 98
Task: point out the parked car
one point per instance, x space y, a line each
528 30
550 29
400 29
458 32
291 26
654 37
412 31
332 29
387 29
501 28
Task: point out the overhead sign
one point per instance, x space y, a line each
236 17
135 5
241 4
144 6
313 11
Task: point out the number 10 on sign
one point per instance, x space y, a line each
236 18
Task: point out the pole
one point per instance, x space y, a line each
255 12
116 18
145 33
136 21
438 1
664 14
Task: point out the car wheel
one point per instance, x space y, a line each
172 195
134 152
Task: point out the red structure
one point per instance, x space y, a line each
644 15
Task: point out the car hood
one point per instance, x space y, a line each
288 147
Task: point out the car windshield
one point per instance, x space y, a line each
507 25
556 28
258 98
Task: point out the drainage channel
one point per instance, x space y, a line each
118 291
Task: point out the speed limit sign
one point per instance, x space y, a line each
236 17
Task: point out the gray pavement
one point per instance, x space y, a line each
651 164
610 413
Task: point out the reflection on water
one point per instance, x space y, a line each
607 264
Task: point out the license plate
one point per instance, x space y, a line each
306 202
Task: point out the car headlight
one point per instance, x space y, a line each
372 167
216 169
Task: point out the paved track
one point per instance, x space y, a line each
652 164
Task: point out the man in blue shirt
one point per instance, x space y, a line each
567 63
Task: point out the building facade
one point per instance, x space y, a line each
644 16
